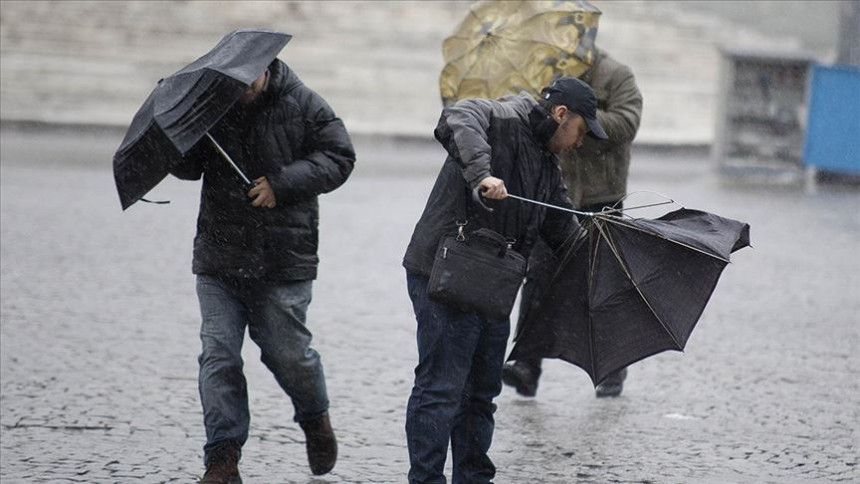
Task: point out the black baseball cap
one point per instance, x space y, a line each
579 98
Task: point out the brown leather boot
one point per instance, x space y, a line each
321 444
222 467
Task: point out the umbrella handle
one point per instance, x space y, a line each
476 196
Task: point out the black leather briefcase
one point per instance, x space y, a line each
477 272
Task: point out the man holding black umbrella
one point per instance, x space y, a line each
496 146
255 257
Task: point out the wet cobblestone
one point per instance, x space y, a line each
98 343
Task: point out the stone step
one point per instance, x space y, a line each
95 62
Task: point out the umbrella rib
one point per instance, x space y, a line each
185 121
623 222
617 255
466 75
473 14
513 67
590 319
464 54
507 58
549 12
532 41
478 44
455 36
573 248
131 144
472 67
497 33
622 210
564 258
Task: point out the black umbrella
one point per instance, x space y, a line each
630 289
184 106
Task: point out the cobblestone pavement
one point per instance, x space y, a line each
99 342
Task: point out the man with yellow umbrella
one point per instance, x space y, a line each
504 47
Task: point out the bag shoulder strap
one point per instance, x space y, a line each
462 204
461 217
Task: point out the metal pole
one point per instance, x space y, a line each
563 209
229 160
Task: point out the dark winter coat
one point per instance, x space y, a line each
293 138
597 172
505 139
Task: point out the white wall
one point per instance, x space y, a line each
377 63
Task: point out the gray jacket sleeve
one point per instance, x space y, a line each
623 110
462 130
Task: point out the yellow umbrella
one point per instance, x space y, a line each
504 47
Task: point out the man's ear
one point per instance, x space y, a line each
559 112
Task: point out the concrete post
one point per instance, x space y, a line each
849 33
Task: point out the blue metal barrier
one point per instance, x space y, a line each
833 123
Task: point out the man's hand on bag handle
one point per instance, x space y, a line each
492 187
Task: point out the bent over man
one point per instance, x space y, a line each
501 145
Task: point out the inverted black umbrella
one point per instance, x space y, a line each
186 105
630 289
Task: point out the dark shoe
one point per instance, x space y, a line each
222 467
521 376
321 444
612 385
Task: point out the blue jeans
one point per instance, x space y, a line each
459 373
275 317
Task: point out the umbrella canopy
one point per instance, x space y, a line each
508 47
184 106
631 289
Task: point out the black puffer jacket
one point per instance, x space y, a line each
293 138
505 139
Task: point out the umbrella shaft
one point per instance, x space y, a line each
588 214
229 160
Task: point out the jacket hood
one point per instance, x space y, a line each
282 80
522 103
539 119
586 76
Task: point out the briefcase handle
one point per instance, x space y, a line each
494 238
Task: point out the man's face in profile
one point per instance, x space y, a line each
570 133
